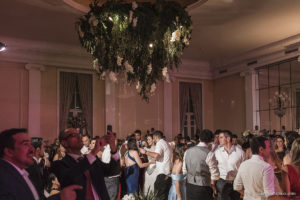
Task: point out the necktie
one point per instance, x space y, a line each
89 191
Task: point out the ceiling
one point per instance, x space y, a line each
223 29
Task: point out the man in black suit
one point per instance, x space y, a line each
87 171
16 154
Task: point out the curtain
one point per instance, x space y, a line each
196 96
183 102
67 86
85 87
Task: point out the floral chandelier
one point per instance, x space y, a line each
140 41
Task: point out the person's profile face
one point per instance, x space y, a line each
137 136
149 141
22 153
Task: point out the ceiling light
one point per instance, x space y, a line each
2 46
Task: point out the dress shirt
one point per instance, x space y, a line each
164 161
84 149
91 158
228 163
256 178
25 175
212 164
106 155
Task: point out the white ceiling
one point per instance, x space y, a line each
223 29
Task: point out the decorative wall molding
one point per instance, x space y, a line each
45 53
264 55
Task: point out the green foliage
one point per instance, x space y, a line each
141 40
150 195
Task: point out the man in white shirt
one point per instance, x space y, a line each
255 177
163 155
16 154
228 157
86 140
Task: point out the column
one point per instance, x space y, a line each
110 103
168 111
34 110
251 99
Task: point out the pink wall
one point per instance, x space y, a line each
229 104
14 95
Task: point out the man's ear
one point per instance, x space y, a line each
260 150
8 152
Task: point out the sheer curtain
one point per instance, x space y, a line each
183 102
196 95
85 87
67 86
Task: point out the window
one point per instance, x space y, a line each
278 88
190 100
189 120
76 102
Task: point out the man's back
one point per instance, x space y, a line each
197 169
256 178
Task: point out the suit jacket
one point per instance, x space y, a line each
13 186
35 176
68 172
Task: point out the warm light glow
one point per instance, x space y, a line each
2 46
110 18
150 45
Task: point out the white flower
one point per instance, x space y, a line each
81 33
113 77
134 5
95 63
128 197
135 20
138 86
149 69
102 76
128 67
119 60
153 88
164 71
175 36
130 16
186 41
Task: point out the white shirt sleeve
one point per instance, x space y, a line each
159 149
106 155
268 181
184 171
238 182
212 163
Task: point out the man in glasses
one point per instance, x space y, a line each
87 171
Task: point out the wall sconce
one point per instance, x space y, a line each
2 46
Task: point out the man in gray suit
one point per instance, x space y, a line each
199 170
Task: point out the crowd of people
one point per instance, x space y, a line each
209 166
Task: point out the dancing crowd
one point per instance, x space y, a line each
209 166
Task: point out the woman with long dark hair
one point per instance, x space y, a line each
291 177
133 162
178 188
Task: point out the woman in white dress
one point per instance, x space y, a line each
150 173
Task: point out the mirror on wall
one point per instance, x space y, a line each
278 88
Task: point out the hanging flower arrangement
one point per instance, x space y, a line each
139 40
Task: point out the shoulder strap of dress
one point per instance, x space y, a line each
131 158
